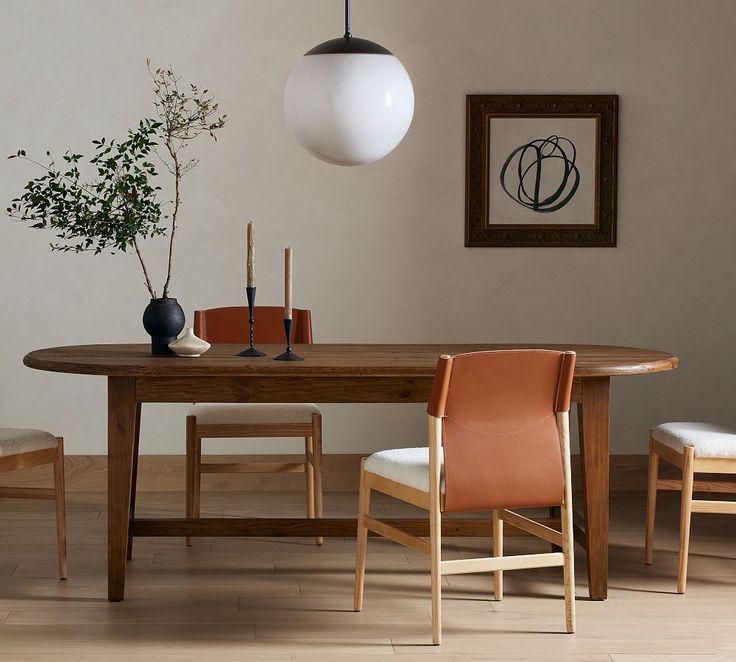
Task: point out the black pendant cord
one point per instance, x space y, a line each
347 43
347 34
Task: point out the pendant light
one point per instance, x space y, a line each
349 101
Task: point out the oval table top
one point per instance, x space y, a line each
324 360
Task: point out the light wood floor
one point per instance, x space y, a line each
287 600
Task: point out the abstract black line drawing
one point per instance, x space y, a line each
531 175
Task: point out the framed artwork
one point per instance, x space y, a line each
541 170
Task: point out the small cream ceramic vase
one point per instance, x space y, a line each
189 345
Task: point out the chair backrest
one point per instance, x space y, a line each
499 427
230 325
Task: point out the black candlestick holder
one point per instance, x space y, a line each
251 351
288 355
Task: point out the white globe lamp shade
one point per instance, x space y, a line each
349 101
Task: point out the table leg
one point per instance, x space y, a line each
121 417
594 427
134 476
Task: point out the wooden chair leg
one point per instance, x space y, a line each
361 539
651 502
568 570
134 476
194 466
317 464
309 455
568 544
60 499
497 551
685 515
435 526
435 541
309 473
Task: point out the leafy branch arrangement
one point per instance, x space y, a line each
121 205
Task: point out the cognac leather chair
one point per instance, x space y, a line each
692 448
230 325
498 439
22 449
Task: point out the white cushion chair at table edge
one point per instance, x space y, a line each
697 447
22 448
707 439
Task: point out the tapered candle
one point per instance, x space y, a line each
251 279
288 255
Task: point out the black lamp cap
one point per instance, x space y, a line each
348 45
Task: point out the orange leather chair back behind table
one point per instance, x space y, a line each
500 436
230 325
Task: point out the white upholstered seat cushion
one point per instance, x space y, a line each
21 440
408 466
253 413
708 439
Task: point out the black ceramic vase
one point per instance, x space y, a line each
163 319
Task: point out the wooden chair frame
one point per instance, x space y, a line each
37 458
498 563
312 465
689 465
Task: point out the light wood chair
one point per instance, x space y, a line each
221 421
498 439
23 449
692 448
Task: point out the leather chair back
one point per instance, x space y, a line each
499 427
230 325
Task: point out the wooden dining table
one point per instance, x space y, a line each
330 373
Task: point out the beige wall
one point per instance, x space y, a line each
379 250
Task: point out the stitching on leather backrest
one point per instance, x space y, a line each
496 434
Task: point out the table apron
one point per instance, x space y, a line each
359 389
